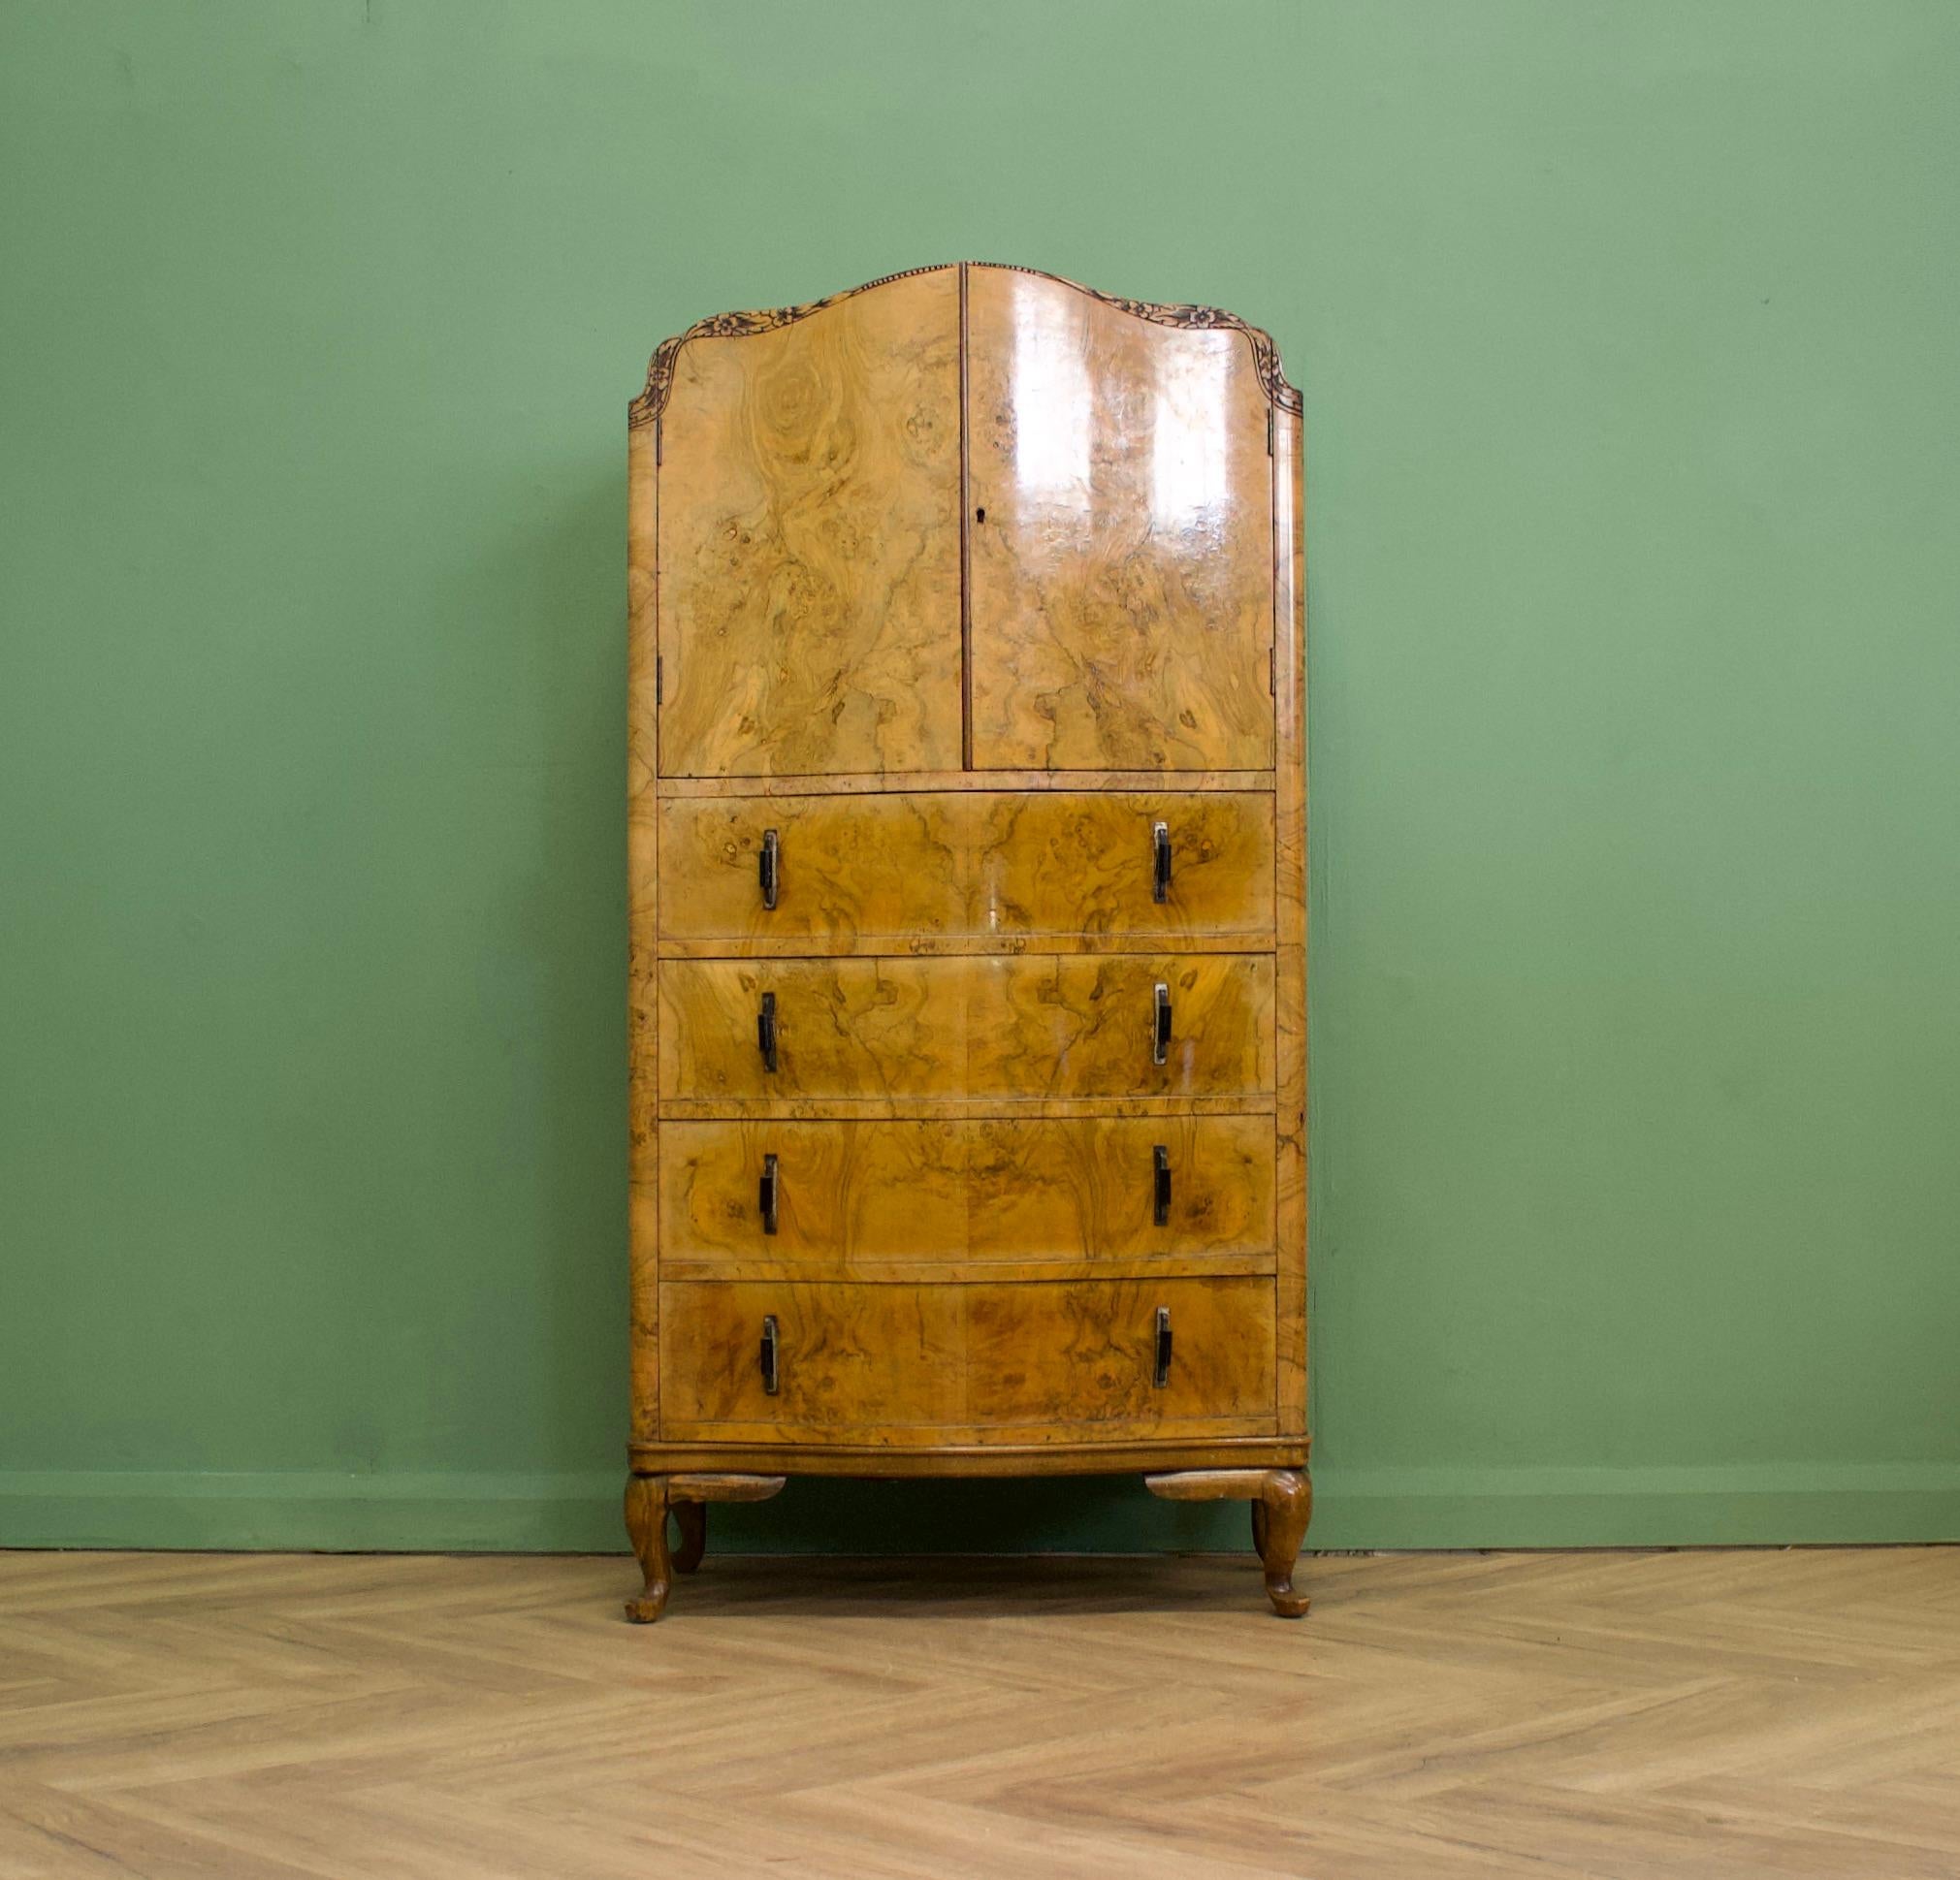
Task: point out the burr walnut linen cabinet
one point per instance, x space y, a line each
967 858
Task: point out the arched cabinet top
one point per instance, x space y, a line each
651 401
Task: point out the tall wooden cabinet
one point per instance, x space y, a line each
967 898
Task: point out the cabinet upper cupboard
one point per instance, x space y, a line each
965 518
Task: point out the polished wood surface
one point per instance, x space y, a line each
1083 1357
1749 1715
982 1190
917 868
643 1054
953 591
1290 903
1011 1029
863 1362
907 1366
810 541
1053 865
1119 536
850 870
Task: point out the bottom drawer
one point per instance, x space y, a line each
917 1365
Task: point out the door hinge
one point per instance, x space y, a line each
659 678
1273 670
660 439
1269 430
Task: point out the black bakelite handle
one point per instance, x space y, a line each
768 1355
1160 880
767 1193
1163 1345
771 866
1160 1037
765 1032
1160 1212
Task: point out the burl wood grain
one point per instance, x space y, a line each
1079 1026
910 1365
1290 899
1075 1355
810 541
851 869
1119 537
990 1190
849 1190
1046 866
850 1359
643 1165
1021 1029
985 869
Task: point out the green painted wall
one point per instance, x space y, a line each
1628 340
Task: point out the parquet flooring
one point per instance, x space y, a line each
1633 1715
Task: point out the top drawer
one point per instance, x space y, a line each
931 868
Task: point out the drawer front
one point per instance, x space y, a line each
1087 1354
1088 1188
1048 865
1064 1026
913 1365
846 868
916 869
859 1191
1084 1025
1054 1187
849 1359
856 1028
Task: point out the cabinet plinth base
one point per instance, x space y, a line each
1281 1499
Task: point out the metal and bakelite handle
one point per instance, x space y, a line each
767 1193
766 1030
771 868
1163 1345
768 1355
1160 878
1160 1207
1159 1034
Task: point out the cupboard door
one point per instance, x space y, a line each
1121 536
810 541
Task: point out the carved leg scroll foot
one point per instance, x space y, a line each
1280 1519
692 1518
1281 1501
647 1525
650 1499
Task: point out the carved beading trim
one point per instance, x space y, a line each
652 401
1265 354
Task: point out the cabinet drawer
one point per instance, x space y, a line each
921 1364
925 870
981 1190
848 1358
896 1030
1046 864
847 867
1087 1354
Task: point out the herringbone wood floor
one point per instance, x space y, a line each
1624 1714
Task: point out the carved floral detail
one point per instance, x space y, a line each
648 406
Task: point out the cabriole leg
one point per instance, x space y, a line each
692 1518
1279 1521
647 1525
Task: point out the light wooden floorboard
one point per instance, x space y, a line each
1721 1715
